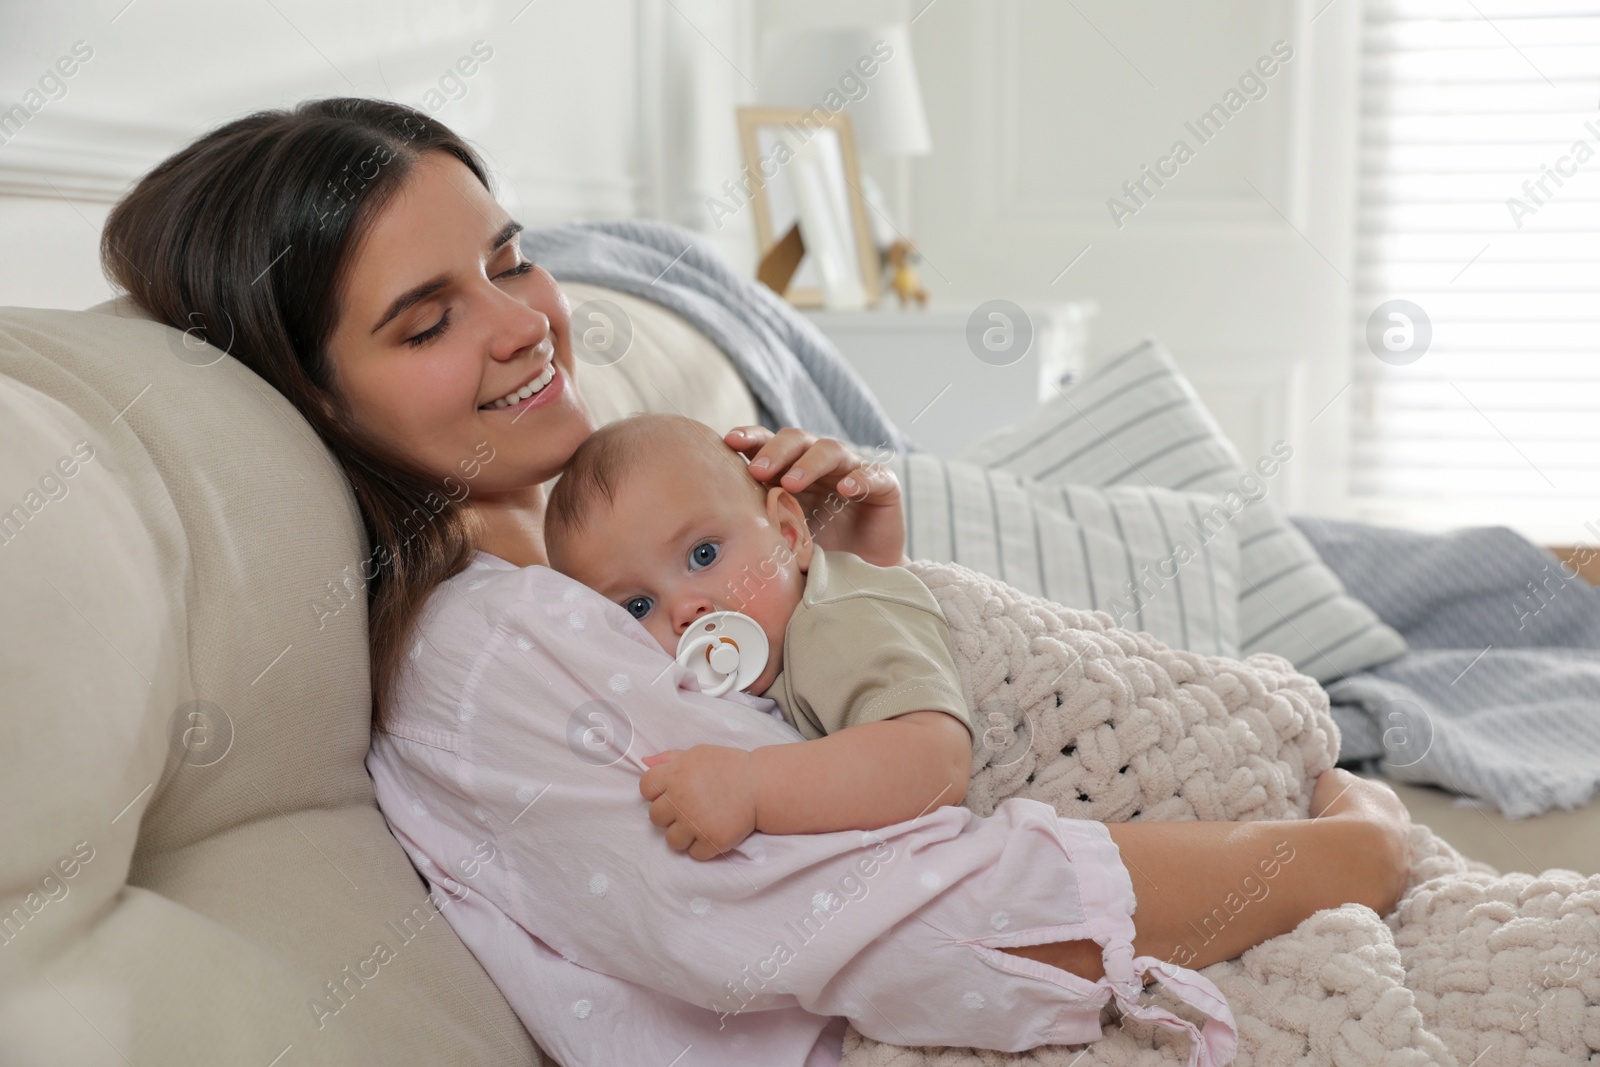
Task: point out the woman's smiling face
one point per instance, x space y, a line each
440 318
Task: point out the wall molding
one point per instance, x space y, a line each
97 159
544 198
996 59
94 158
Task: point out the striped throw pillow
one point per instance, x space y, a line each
1136 420
1145 556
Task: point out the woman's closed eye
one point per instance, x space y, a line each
638 606
443 324
431 332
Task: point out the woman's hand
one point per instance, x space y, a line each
705 797
851 505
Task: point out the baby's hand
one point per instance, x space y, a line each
705 797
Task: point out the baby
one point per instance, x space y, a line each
657 514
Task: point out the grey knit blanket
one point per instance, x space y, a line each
1499 697
797 376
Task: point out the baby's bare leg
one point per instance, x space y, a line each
1353 850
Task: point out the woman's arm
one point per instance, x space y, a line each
1207 891
866 777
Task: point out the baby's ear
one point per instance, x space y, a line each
789 519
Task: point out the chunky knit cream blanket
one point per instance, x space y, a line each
1474 968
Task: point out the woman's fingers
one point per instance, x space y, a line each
813 469
794 457
754 440
747 440
870 483
823 459
822 466
800 459
779 453
856 485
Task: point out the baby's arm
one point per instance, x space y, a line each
864 777
879 680
710 797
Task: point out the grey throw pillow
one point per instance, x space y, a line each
1135 420
1148 557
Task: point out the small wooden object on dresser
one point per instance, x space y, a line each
1583 559
897 258
922 368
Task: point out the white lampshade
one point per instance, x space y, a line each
801 67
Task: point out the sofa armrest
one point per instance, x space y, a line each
93 969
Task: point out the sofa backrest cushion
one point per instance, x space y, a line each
195 869
664 364
198 866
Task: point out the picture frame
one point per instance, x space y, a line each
802 168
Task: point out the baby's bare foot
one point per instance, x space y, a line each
1339 794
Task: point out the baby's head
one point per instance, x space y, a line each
656 513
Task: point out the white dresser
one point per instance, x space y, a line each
951 376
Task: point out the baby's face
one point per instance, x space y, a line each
678 543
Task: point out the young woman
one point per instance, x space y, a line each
355 253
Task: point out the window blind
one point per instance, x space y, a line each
1479 205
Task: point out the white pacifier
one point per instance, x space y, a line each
725 650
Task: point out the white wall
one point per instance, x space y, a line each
554 108
1039 111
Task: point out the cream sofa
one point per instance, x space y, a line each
195 871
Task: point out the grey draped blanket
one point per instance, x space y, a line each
797 376
1499 697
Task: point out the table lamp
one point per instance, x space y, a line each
801 66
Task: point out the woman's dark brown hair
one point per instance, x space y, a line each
246 236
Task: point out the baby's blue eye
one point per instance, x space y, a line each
703 555
639 606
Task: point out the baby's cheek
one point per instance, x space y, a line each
666 639
770 673
764 683
776 611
